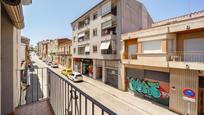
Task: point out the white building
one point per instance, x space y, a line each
97 37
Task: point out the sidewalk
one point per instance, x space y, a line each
130 99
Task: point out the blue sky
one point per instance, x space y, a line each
50 19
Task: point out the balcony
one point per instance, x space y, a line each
51 94
188 60
84 23
64 53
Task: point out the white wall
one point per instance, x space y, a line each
22 52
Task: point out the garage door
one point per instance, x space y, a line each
112 78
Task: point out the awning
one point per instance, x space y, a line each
87 49
15 12
107 24
105 45
81 35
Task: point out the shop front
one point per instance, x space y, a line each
87 67
151 85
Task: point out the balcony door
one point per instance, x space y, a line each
194 50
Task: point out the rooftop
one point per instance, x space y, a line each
179 18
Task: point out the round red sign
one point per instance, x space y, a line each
189 93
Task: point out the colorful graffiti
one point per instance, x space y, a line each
155 90
145 87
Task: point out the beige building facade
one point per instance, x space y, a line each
165 63
97 38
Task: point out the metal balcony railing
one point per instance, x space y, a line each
182 56
64 53
130 56
63 96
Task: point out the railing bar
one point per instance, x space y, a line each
79 103
102 112
75 100
60 99
37 85
85 106
42 85
65 97
92 108
72 101
31 74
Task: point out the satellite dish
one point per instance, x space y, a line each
26 2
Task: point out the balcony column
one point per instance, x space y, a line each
94 69
104 77
121 82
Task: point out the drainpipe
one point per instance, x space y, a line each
15 12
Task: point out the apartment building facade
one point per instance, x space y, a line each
97 38
165 63
59 51
64 53
43 49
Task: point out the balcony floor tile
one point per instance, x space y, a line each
37 108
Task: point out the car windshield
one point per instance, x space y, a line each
78 76
72 74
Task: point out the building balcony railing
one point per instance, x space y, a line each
63 96
64 53
183 56
177 56
130 56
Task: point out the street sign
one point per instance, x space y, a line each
189 93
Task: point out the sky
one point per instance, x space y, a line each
51 19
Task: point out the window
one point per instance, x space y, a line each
132 49
95 16
152 46
95 48
74 38
74 27
95 32
74 50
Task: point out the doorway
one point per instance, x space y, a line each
99 73
201 96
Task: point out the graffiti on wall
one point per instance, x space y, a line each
145 87
149 89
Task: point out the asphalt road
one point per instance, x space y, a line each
123 103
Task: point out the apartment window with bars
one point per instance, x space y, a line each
95 32
95 49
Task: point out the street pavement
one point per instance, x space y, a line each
123 103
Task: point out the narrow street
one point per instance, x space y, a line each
111 97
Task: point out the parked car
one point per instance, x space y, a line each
49 63
54 65
76 77
66 71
